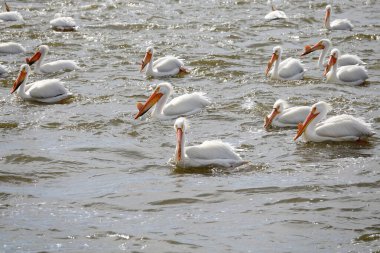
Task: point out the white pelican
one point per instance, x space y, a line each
208 153
337 24
45 91
63 23
11 48
10 15
325 45
164 66
180 106
50 67
3 70
338 128
289 69
284 116
275 14
351 74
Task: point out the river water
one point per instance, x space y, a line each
84 176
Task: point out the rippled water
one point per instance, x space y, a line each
83 176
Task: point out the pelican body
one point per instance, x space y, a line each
11 48
63 24
337 24
289 69
275 14
51 67
325 45
284 116
209 153
351 75
10 15
164 66
338 128
44 91
180 106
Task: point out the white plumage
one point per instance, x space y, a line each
209 153
289 69
275 14
351 74
11 48
337 24
45 91
284 116
63 24
338 128
51 67
164 66
3 70
184 105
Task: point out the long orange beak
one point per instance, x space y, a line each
302 126
146 60
268 120
270 63
179 146
151 101
327 16
308 49
7 7
34 58
19 80
331 63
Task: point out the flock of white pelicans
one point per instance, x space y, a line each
311 121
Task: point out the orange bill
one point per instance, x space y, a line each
302 126
179 142
331 63
270 63
34 58
146 60
21 77
268 120
151 101
308 49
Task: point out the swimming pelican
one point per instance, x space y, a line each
208 153
352 74
10 15
63 23
325 45
11 48
180 106
275 14
45 91
337 24
284 116
3 70
338 128
289 69
50 67
164 66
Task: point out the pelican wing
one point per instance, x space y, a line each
275 15
63 22
342 126
59 65
341 24
349 59
47 88
167 64
290 67
352 73
186 104
212 150
294 115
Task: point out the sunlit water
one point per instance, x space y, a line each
84 176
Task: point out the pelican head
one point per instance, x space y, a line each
180 128
321 45
147 57
277 51
41 52
335 53
320 108
278 107
162 90
23 74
